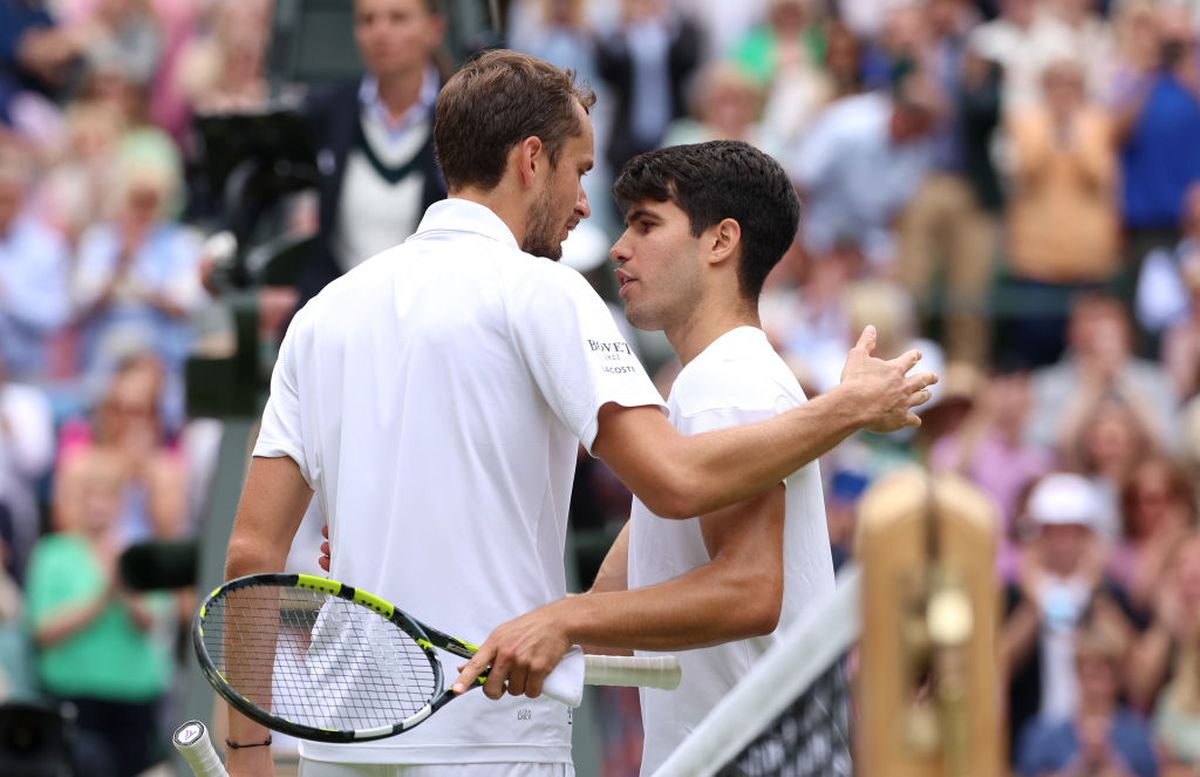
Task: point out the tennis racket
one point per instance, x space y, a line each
192 742
324 661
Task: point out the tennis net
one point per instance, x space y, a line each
790 717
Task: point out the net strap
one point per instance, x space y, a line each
783 673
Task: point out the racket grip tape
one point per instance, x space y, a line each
642 671
192 742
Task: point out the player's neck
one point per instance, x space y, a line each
502 201
706 322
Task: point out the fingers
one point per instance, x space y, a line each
920 380
497 677
516 680
919 397
469 672
866 340
907 360
325 531
323 563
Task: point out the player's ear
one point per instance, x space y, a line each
726 238
530 155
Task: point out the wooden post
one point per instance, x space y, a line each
928 689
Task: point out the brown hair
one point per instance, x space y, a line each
493 103
1179 490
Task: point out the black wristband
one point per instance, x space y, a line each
236 746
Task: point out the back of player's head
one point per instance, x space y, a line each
718 180
493 103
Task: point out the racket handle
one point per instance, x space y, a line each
643 671
192 742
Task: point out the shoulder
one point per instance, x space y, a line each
744 375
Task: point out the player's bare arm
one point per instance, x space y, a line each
737 595
680 476
272 505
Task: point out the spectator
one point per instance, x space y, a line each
646 62
222 70
1099 360
791 39
1165 664
33 277
1023 41
1167 296
76 191
860 164
26 453
1158 509
1061 587
1062 219
136 279
1104 438
375 140
123 36
725 106
843 61
1157 108
35 53
990 450
127 426
951 220
99 647
1103 738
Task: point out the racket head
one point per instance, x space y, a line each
317 659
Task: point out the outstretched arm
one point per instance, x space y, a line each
737 594
680 476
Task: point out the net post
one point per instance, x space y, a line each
930 615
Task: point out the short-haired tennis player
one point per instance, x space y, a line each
705 224
433 399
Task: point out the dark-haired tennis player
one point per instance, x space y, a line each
433 399
705 224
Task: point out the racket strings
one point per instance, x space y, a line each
317 660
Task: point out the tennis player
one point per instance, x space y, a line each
705 224
433 398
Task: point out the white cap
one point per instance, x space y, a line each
1064 498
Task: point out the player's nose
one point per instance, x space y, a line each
619 253
582 206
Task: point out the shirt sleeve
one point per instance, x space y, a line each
574 351
282 432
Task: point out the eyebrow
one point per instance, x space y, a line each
640 213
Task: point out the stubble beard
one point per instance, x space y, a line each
541 234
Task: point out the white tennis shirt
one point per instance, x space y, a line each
738 379
434 398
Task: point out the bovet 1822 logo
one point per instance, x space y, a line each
618 347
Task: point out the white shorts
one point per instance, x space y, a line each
325 769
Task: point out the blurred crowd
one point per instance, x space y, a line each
1013 186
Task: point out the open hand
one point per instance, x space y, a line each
886 392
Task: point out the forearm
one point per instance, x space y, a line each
69 621
680 476
704 607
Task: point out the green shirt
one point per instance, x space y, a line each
110 658
756 54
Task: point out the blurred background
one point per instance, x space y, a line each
1013 186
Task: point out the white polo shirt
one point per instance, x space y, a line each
738 379
434 398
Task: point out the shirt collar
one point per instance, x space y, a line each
368 98
455 214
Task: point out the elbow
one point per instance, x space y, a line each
757 608
245 558
673 505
